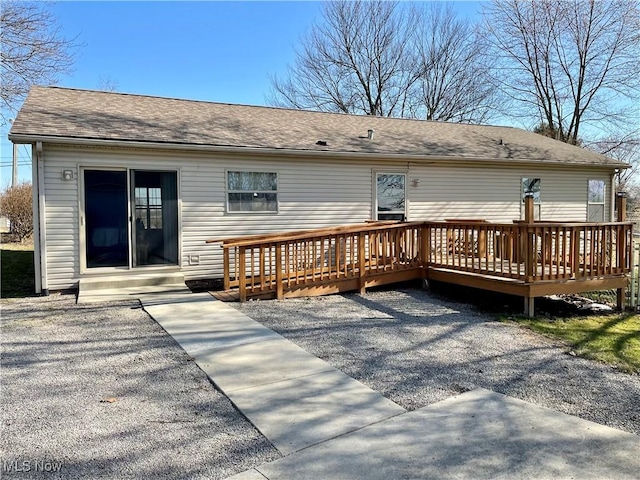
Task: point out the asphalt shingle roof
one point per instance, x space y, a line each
84 114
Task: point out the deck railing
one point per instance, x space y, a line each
531 252
357 256
276 264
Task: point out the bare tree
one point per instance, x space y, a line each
107 83
356 61
15 204
386 59
453 80
625 148
567 63
33 51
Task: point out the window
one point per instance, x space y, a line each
532 185
252 192
595 201
390 196
149 207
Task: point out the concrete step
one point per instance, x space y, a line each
132 293
153 279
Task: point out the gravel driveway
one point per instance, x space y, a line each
417 348
62 362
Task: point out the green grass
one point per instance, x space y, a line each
608 297
17 270
613 339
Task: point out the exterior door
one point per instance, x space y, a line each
155 206
391 196
130 227
106 212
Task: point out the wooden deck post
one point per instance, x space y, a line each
225 267
528 208
529 306
279 285
425 245
242 274
530 259
362 261
575 252
621 247
482 242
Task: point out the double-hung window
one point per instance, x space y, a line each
252 191
595 201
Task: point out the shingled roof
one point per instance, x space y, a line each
54 113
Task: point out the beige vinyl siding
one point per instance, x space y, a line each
311 193
61 216
495 193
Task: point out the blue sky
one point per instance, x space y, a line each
217 51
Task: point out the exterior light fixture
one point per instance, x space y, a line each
67 175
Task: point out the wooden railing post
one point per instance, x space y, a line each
279 286
361 261
530 259
575 251
528 208
621 244
225 267
242 274
425 245
621 206
528 230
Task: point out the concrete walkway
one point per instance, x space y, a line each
331 426
293 398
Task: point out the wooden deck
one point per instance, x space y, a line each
529 259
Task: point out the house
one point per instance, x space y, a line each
125 184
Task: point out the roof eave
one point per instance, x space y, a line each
271 152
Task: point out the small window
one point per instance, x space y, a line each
252 192
595 201
532 185
390 196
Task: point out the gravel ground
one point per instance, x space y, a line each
417 348
62 361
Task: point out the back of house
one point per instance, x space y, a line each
131 184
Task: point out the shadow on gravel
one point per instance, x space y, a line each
103 389
418 347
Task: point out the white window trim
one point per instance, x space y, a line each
228 211
375 194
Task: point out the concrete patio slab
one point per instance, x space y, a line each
296 413
478 434
250 365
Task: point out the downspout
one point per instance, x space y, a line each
42 237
